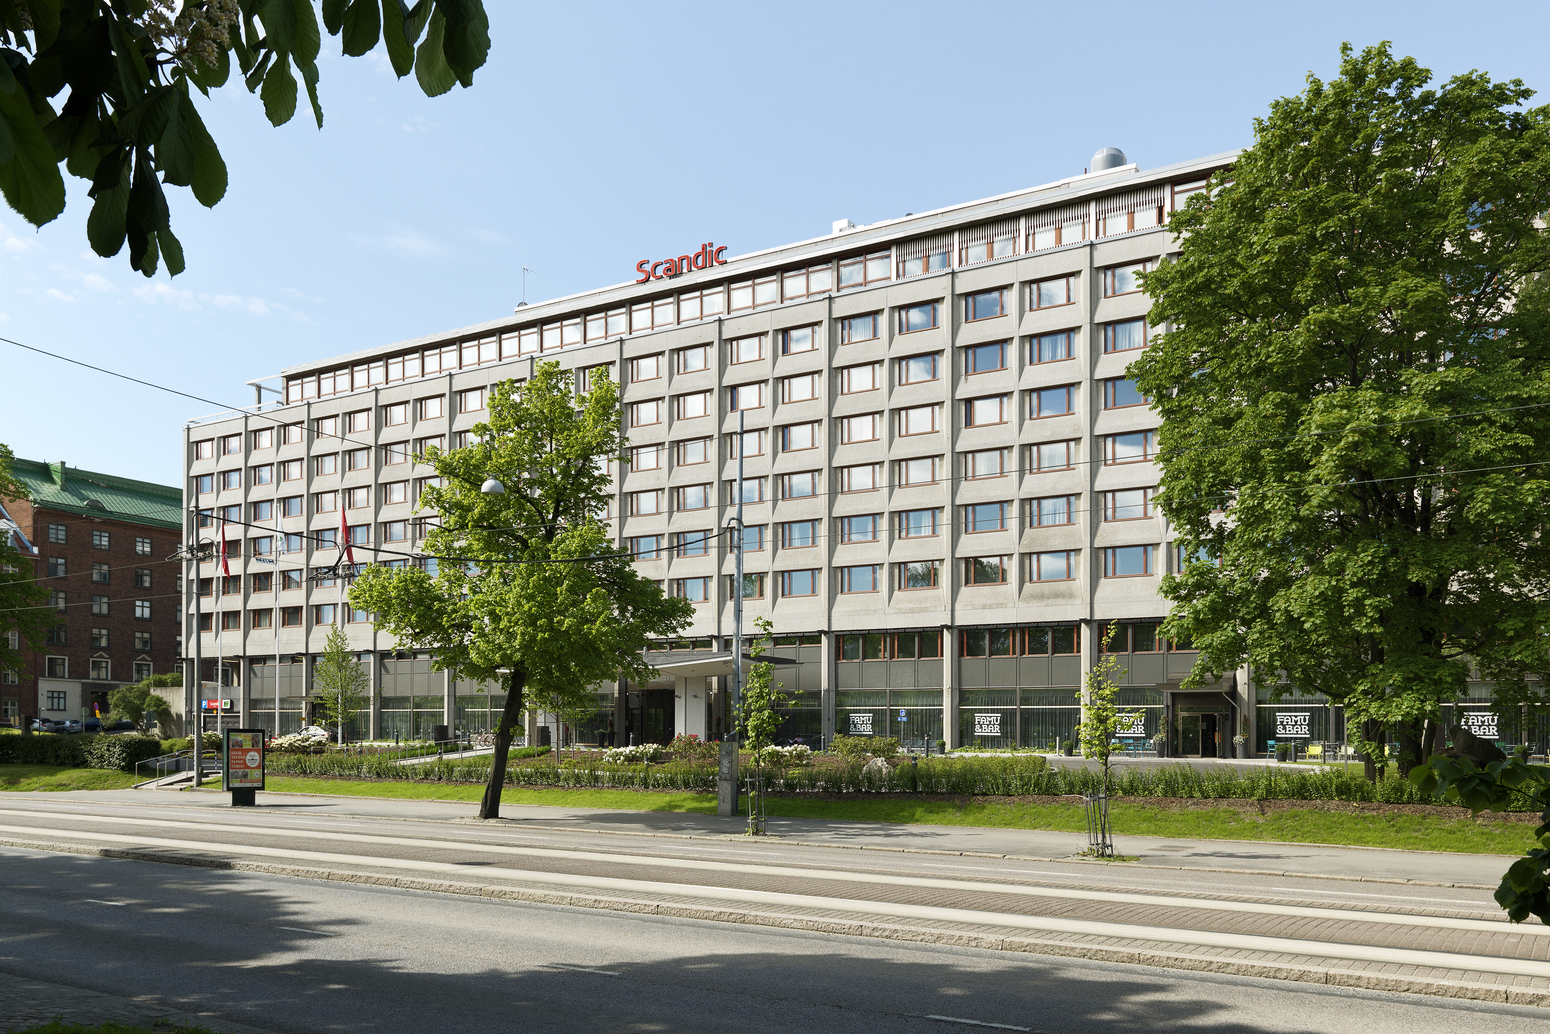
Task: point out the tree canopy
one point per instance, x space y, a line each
526 587
25 617
1355 398
128 117
339 685
139 703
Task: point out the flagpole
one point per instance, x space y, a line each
346 557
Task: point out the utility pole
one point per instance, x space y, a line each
726 775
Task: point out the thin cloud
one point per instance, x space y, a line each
159 292
406 242
58 295
418 124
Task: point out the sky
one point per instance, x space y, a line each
601 133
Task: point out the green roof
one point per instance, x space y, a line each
92 494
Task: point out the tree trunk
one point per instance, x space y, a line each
1431 740
1372 731
511 715
1412 752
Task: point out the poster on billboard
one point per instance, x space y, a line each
987 724
1292 725
861 723
244 759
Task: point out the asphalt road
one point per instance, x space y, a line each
298 955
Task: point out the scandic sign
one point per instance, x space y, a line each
708 255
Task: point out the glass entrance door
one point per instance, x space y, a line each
1189 735
1200 735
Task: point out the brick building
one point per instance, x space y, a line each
100 545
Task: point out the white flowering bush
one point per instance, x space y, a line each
794 756
637 755
298 743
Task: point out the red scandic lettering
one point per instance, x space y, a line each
685 263
643 268
669 268
654 274
719 260
702 257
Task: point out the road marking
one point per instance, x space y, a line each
298 929
115 904
926 882
977 1023
1042 924
577 969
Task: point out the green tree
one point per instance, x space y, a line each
1355 437
25 616
339 685
1101 719
527 586
139 703
758 716
130 67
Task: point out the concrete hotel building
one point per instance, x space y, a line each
948 496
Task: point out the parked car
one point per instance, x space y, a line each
317 732
69 725
42 725
122 725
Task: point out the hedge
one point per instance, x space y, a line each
79 751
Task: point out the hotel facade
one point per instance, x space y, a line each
947 498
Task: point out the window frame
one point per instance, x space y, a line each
1036 401
1002 298
1035 305
1111 336
904 311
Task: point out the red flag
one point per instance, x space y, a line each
225 567
344 533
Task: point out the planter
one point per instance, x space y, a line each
1067 749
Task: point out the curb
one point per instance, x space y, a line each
1331 976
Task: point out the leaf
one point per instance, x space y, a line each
333 15
279 92
280 28
172 250
105 226
309 76
208 78
308 39
29 170
256 77
146 121
362 27
395 34
466 40
189 156
430 64
147 204
143 254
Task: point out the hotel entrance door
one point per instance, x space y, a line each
1200 735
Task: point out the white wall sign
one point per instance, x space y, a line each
1481 723
1131 725
1292 724
987 724
861 723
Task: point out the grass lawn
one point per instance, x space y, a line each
32 778
1409 832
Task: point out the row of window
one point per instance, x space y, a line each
98 638
99 604
100 668
289 617
101 574
100 539
1057 566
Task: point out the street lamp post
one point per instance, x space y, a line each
726 775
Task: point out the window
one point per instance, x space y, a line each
642 503
865 578
986 517
290 470
231 445
1046 294
1059 401
861 328
644 413
1127 561
56 635
864 477
290 617
263 474
692 497
985 305
102 574
601 325
260 619
987 570
862 528
689 452
921 471
745 349
360 420
693 358
919 524
752 293
1136 447
326 427
799 583
143 610
751 396
205 450
325 502
395 414
57 669
100 539
357 498
1046 456
1053 567
423 446
291 434
988 463
325 465
919 420
892 645
802 485
230 479
56 600
984 358
290 506
866 377
753 490
142 545
204 484
1052 348
691 543
142 641
1123 279
990 642
800 388
325 613
920 574
797 437
649 457
753 585
56 534
753 538
395 531
142 578
432 408
1127 504
919 368
992 409
357 459
230 514
645 547
1119 392
395 492
799 283
925 316
260 582
864 428
645 368
798 339
231 620
688 407
860 270
290 580
290 543
1125 336
798 534
1052 510
99 606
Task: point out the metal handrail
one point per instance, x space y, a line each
178 761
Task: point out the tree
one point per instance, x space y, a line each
25 616
1100 718
339 684
129 115
758 717
526 586
1355 439
139 703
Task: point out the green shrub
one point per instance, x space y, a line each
121 752
45 748
693 749
861 747
527 752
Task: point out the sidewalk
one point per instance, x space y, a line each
1352 863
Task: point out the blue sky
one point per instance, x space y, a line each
601 133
